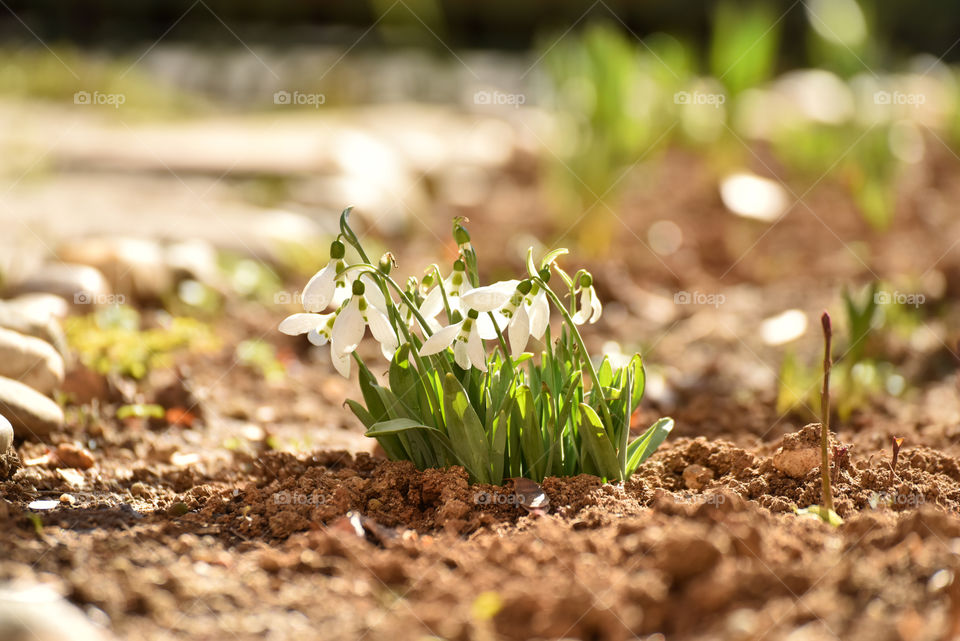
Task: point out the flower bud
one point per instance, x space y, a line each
358 287
524 287
586 280
458 266
387 263
461 235
545 274
337 250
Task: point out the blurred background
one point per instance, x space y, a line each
726 169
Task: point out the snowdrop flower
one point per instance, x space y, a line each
590 307
508 299
344 328
455 285
466 341
319 329
327 285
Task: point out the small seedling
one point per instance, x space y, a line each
841 460
897 444
825 512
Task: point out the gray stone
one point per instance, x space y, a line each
134 267
33 415
36 315
6 435
37 613
80 285
31 361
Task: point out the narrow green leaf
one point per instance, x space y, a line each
466 431
647 443
598 445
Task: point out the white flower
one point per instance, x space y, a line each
344 328
455 285
539 312
466 341
327 285
590 307
507 298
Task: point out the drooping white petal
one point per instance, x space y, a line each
486 327
461 355
440 340
318 293
539 315
583 312
316 338
478 357
348 328
433 303
341 293
596 307
519 331
372 293
489 297
341 362
301 323
382 331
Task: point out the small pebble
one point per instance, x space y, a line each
940 580
67 499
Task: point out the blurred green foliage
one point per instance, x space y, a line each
111 340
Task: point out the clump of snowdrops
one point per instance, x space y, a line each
534 405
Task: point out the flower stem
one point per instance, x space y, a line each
584 355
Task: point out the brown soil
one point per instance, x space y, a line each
209 532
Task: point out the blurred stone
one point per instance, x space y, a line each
753 196
196 259
134 267
33 415
6 435
37 613
695 477
36 315
80 285
31 361
72 455
799 452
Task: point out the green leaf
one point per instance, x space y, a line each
647 443
426 439
819 512
605 373
552 256
598 445
465 431
531 441
639 379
